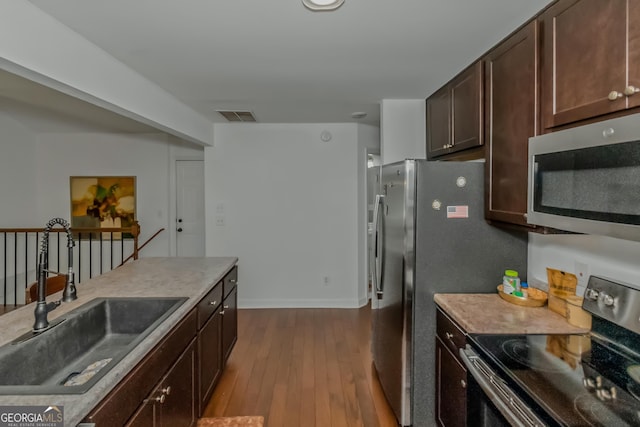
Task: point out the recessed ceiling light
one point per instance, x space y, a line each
318 5
359 115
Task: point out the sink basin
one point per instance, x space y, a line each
83 347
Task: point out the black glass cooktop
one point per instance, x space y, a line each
577 380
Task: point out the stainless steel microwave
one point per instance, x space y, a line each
587 179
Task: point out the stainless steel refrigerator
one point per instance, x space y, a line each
430 237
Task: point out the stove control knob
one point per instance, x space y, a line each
604 394
589 383
607 299
591 294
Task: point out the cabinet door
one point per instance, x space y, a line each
438 123
510 120
584 59
229 323
466 108
144 417
451 388
209 358
178 408
633 21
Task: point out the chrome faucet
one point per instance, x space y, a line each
69 293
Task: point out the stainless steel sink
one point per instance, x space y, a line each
66 353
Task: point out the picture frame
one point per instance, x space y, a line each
103 202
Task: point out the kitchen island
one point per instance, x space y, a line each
192 278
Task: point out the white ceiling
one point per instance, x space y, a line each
286 63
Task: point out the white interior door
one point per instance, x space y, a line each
190 232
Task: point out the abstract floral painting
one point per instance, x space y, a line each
103 202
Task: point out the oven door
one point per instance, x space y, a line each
491 402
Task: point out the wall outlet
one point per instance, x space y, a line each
326 280
220 220
582 273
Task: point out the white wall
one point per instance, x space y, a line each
290 205
605 256
36 46
35 171
60 156
34 182
403 131
17 174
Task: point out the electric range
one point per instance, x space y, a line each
564 380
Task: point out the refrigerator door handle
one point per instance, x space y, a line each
376 273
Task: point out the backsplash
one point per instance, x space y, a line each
603 256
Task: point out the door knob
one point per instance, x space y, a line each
179 219
179 230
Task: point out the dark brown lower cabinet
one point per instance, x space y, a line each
209 357
144 417
172 402
451 375
229 322
160 390
451 388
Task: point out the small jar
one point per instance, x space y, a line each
510 282
524 288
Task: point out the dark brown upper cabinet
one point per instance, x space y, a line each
511 118
454 114
590 59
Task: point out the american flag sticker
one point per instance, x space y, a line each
458 211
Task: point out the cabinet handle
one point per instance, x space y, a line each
213 302
222 313
463 383
614 94
449 335
631 90
159 399
225 306
166 390
233 281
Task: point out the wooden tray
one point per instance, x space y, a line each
537 298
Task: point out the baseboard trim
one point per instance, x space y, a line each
301 303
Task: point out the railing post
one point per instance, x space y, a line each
135 230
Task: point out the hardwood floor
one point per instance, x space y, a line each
303 367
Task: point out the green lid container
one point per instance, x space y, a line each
511 273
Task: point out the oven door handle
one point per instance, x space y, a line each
506 401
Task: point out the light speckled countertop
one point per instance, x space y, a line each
148 277
490 314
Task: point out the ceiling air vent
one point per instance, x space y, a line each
237 116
